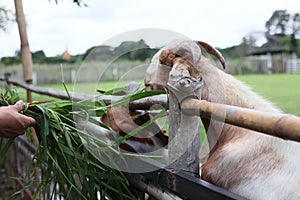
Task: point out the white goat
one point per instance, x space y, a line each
246 162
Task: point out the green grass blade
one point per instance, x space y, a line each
139 95
63 82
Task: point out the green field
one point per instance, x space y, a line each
281 89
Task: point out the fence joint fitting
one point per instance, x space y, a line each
185 87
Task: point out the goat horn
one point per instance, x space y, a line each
213 51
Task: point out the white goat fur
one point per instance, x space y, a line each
246 162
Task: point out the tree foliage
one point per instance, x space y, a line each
127 50
78 2
284 23
101 52
278 22
11 60
296 23
5 16
132 50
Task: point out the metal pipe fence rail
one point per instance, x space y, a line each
172 183
282 125
285 126
163 184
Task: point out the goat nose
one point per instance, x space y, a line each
147 87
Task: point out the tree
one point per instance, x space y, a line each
142 52
278 22
296 23
78 2
125 48
102 52
295 31
18 53
11 60
5 17
283 23
25 51
133 50
38 56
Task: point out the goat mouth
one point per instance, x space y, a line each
154 86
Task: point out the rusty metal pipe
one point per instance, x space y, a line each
285 126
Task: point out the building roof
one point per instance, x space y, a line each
276 44
266 50
66 55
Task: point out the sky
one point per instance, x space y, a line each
54 28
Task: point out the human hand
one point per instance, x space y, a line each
13 123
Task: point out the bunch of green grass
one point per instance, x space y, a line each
62 156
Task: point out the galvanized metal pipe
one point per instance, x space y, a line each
141 183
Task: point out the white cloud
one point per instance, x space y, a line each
53 28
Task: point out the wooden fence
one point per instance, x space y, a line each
89 72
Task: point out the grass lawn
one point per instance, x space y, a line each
89 88
281 89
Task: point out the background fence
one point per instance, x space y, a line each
86 72
293 66
127 70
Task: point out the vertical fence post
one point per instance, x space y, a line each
25 51
184 130
26 60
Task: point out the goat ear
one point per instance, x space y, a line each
213 51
